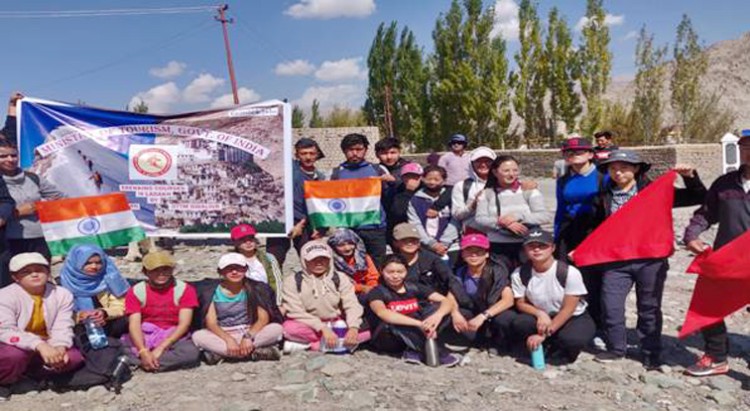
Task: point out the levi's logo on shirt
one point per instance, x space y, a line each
409 306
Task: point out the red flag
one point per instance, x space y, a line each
642 228
723 285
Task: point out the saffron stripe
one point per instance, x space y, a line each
360 187
79 207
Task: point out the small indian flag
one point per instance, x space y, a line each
343 203
105 220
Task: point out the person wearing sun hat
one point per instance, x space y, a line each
464 194
486 299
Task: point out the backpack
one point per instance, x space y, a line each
179 290
467 186
298 279
561 274
336 171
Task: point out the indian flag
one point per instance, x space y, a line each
105 220
343 203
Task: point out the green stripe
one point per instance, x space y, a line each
105 241
344 219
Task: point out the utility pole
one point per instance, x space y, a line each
223 20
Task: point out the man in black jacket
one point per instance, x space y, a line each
728 204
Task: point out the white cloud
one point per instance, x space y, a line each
329 9
246 95
342 95
506 20
159 99
632 34
199 90
344 69
609 20
171 70
294 68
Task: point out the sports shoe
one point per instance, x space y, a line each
4 394
706 366
211 358
265 354
412 357
291 347
652 362
449 360
599 343
607 357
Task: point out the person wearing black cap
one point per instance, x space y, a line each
728 205
550 298
456 162
627 173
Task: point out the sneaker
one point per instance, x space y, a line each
608 357
4 393
211 358
449 360
599 343
652 362
265 354
291 347
412 357
706 366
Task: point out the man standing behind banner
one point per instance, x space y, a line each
24 233
728 204
355 147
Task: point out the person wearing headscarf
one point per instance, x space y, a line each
97 286
350 258
315 298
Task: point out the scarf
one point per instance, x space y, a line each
83 286
345 235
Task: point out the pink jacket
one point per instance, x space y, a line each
16 307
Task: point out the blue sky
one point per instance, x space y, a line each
295 49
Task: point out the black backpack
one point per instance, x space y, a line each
298 279
562 273
467 186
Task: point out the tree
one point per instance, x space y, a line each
141 107
529 80
690 64
565 105
345 117
468 86
298 117
649 83
594 65
396 84
315 120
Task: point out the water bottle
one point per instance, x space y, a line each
120 373
537 358
431 353
97 337
339 328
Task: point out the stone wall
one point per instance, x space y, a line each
705 157
329 140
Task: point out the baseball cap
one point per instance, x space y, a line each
242 231
626 156
232 259
537 235
405 230
19 261
577 143
458 138
482 152
475 240
314 249
411 168
156 259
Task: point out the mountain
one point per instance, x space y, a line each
728 74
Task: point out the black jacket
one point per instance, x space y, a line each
489 292
431 270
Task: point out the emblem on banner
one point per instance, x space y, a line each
150 162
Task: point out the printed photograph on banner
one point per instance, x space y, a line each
200 172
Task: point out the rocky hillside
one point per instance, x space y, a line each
728 74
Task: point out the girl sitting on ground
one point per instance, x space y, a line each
237 325
408 314
350 258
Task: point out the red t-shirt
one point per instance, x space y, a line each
159 308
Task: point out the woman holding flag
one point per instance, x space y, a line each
627 172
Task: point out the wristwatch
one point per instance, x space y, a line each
249 336
486 315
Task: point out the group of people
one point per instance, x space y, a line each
459 258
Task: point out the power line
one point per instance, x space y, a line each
101 13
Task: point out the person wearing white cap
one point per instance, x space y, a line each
465 192
236 322
315 298
36 324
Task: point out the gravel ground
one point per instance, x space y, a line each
364 380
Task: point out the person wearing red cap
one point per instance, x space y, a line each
486 300
262 266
